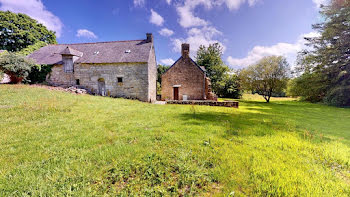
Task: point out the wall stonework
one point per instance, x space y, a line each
152 76
135 79
188 76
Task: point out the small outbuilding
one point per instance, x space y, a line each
186 80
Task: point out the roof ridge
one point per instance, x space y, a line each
98 42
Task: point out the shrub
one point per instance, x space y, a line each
38 74
339 96
16 66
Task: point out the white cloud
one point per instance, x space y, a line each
166 32
236 4
156 18
187 18
167 62
168 1
36 10
196 37
186 11
86 33
285 49
320 2
139 3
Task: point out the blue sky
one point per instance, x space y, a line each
247 29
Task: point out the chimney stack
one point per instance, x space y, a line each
149 37
185 50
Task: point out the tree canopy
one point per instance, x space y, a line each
270 75
18 67
18 31
224 81
325 66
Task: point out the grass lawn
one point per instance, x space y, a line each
55 143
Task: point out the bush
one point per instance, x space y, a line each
38 74
230 87
339 96
16 66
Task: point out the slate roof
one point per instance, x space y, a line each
70 51
99 52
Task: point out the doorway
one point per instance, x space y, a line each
176 93
101 87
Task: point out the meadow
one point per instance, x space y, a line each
55 143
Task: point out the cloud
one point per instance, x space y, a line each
139 3
168 1
166 32
321 2
86 33
285 49
167 62
236 4
36 10
188 19
156 18
185 12
196 37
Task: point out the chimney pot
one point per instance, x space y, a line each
149 37
185 50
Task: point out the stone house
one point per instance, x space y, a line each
119 69
185 80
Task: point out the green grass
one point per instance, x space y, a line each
59 144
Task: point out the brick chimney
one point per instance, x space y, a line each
185 50
149 37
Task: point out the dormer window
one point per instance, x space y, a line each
68 65
69 55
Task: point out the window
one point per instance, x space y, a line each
77 82
120 79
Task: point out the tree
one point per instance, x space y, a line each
231 88
270 75
217 71
326 65
19 31
31 48
16 66
161 69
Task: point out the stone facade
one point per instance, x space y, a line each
135 79
125 69
185 79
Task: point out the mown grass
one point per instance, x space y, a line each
55 143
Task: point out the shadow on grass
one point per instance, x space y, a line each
242 124
313 122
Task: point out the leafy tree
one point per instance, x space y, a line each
16 66
19 31
31 48
231 88
270 75
326 66
217 71
161 70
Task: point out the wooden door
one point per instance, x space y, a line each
101 87
176 93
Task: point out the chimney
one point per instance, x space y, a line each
185 50
149 37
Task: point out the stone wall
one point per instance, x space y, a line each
152 76
59 77
135 79
188 77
